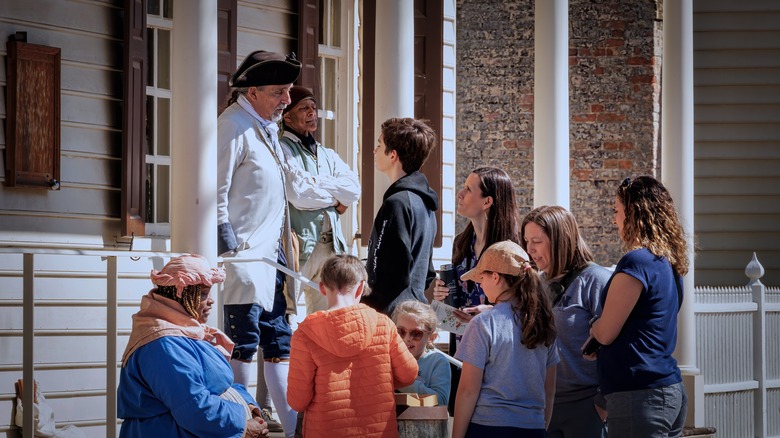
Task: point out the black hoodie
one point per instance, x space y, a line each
401 245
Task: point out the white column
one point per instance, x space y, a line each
677 174
194 128
551 103
394 71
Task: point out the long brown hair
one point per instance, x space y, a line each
502 217
533 310
652 222
568 250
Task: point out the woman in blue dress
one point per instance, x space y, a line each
175 379
487 200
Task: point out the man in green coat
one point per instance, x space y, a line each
328 187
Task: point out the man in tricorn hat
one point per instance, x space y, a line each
253 222
314 215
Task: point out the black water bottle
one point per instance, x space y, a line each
449 276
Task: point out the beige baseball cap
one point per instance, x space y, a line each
505 257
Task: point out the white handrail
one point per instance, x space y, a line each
28 326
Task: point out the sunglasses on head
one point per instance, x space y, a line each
416 335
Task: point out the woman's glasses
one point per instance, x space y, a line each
625 184
416 335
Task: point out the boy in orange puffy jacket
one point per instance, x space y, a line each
345 362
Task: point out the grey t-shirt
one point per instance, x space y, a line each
577 379
512 392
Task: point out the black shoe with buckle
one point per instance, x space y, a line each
273 425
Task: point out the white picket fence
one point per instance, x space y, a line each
738 354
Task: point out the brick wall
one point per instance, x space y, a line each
614 71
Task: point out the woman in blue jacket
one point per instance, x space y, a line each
176 380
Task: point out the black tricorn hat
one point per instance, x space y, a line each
266 68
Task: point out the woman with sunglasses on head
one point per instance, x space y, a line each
487 200
416 323
638 325
552 239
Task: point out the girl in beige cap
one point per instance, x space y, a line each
507 385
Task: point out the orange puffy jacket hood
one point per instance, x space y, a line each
344 365
342 332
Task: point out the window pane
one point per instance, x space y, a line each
153 7
329 84
168 8
150 56
163 193
164 59
329 138
335 20
149 150
149 193
163 127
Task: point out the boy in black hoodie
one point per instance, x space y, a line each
400 249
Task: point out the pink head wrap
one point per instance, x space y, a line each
187 270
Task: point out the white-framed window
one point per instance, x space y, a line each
159 29
337 109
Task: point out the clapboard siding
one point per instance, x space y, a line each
737 138
738 39
266 25
761 6
745 132
90 112
735 76
86 48
79 230
737 58
81 201
738 95
717 185
739 113
745 222
71 320
736 20
736 203
104 18
738 169
737 150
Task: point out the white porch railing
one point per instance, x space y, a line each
30 302
738 338
59 268
738 353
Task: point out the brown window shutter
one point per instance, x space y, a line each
227 14
428 86
33 121
367 138
308 44
134 119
